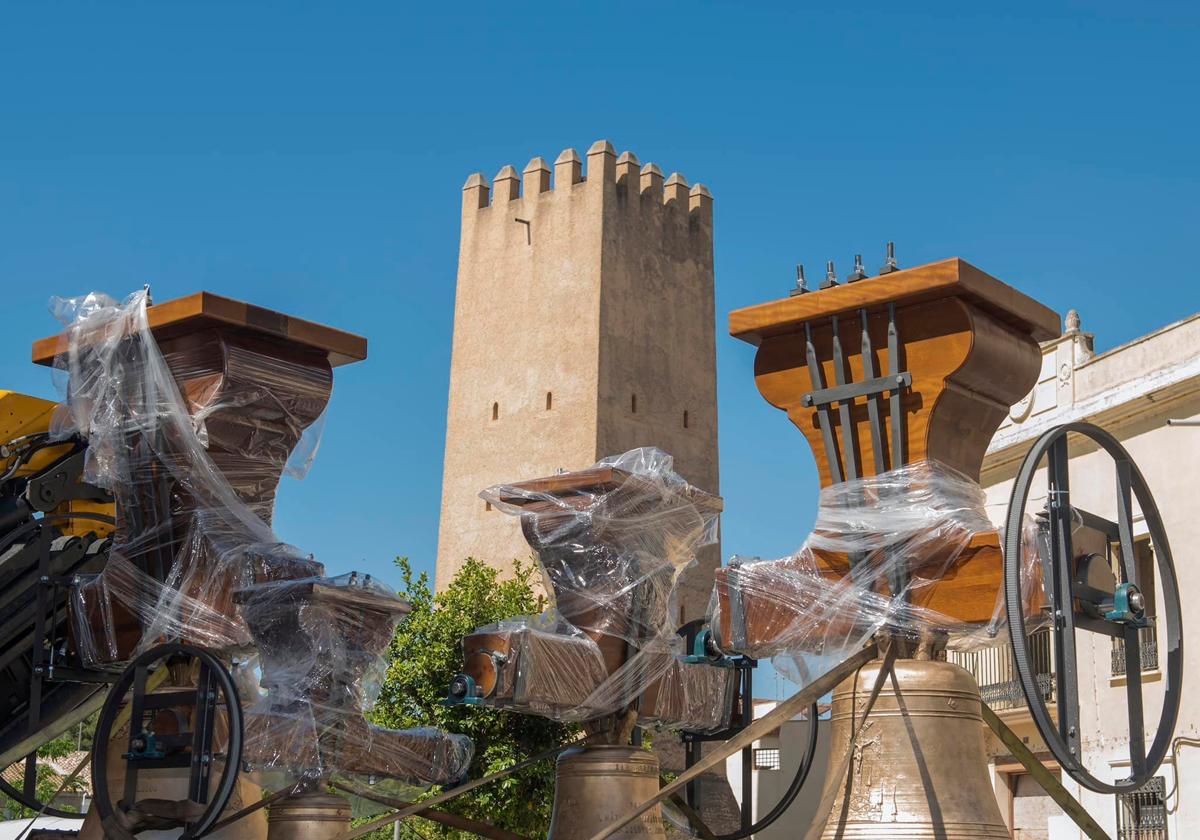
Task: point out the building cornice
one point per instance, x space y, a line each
1139 399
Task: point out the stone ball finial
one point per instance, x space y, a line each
1073 322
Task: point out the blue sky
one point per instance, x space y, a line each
309 157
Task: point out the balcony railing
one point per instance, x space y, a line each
994 670
1148 647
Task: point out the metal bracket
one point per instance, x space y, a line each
853 390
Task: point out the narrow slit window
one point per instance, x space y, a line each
685 419
495 411
633 403
549 400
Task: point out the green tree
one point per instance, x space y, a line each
78 738
425 654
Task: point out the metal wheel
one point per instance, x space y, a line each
149 750
27 795
793 790
1084 593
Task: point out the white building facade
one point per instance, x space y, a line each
1132 392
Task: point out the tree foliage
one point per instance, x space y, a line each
425 654
76 739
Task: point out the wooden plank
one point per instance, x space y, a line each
581 485
799 701
204 310
476 827
949 278
1044 777
446 795
859 719
53 729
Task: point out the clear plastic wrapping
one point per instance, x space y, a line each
192 436
322 644
885 553
612 542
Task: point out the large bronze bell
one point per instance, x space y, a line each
598 784
917 770
308 816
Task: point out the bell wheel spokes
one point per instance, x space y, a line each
1084 591
207 715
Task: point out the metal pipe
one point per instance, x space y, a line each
1181 741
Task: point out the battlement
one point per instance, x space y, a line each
615 179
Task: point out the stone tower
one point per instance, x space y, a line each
583 327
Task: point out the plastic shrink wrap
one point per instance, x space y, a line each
879 547
611 542
191 437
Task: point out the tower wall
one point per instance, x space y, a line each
576 295
658 334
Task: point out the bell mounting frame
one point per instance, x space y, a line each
1063 736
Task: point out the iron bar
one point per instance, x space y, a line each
817 378
1062 600
898 458
848 437
868 363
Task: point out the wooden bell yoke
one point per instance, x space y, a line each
593 531
917 364
259 378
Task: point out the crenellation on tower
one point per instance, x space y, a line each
475 192
629 173
700 203
584 327
602 162
652 183
536 177
675 190
568 169
506 186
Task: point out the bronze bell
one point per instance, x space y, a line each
598 784
918 770
308 816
